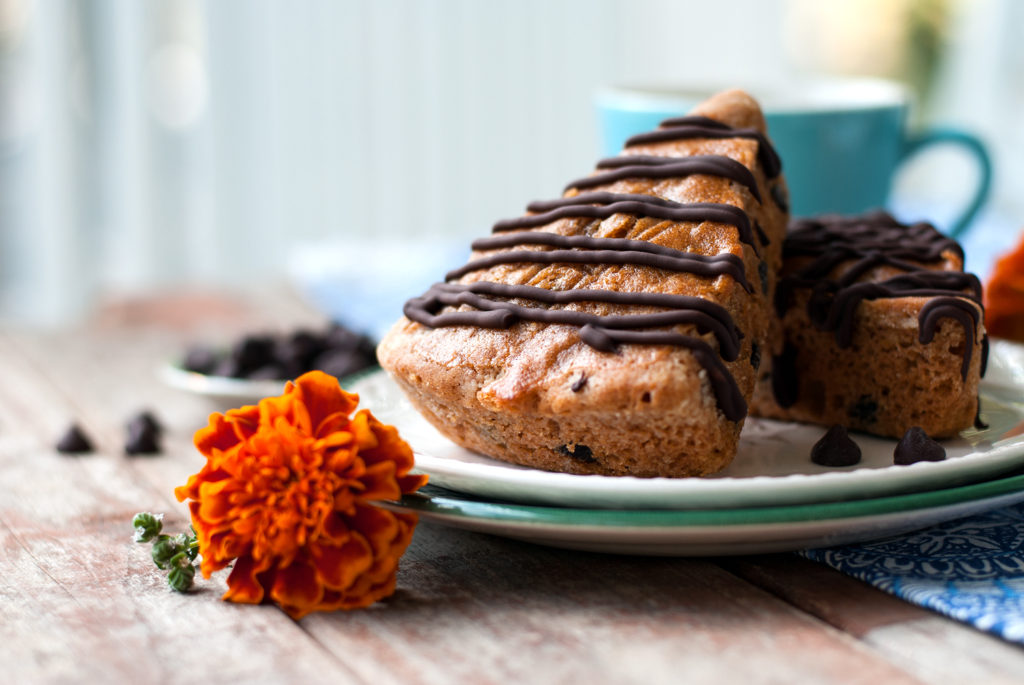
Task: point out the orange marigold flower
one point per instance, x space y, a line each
286 494
1004 296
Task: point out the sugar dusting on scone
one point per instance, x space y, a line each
619 328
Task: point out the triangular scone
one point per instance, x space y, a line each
616 330
882 329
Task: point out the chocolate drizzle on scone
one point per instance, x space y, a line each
859 245
587 250
601 205
682 128
488 304
649 166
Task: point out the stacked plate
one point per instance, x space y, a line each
772 498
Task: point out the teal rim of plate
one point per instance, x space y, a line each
437 501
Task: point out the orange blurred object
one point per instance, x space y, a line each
1004 296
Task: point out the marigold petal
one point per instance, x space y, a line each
335 530
406 527
366 595
323 396
379 580
214 500
366 439
412 482
338 567
244 421
338 421
223 547
389 447
296 589
378 526
335 440
243 585
274 408
190 490
346 461
379 482
376 583
219 434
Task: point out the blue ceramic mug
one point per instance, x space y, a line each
841 141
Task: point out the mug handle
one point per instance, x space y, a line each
974 146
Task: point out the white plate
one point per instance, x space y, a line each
772 466
1005 365
219 388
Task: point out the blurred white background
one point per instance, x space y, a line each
159 144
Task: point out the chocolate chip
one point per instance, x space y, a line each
579 453
978 423
762 271
864 410
252 352
200 359
984 355
143 434
835 448
268 372
779 195
755 356
339 337
785 384
819 305
915 446
147 420
298 350
761 234
337 351
579 383
227 367
342 362
74 441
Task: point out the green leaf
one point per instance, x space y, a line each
147 526
181 577
164 549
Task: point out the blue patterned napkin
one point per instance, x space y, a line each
971 570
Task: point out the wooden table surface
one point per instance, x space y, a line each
81 602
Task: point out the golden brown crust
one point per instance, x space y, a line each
645 410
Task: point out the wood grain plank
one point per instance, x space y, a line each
79 601
474 608
932 647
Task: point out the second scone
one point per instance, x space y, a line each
618 329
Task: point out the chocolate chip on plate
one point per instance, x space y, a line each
267 372
915 446
337 350
201 359
341 362
74 441
252 352
835 448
